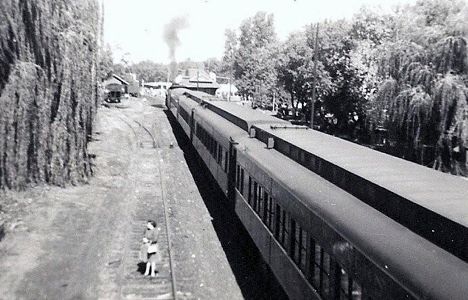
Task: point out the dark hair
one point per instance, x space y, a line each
152 222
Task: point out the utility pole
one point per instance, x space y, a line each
230 74
198 78
230 83
312 101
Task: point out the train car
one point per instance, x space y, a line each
114 93
322 236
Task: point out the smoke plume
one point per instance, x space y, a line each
171 37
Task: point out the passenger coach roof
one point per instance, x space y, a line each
443 194
242 116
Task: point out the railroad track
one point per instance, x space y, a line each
150 205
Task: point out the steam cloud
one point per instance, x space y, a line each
171 37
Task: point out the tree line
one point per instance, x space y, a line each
395 81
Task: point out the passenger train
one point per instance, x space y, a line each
332 219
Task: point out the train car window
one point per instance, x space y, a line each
297 237
210 144
325 274
284 229
242 182
266 211
255 195
311 271
237 176
214 148
303 249
317 266
293 241
271 214
220 155
249 198
298 246
221 152
215 151
213 145
226 155
260 201
278 222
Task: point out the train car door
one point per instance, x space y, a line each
232 172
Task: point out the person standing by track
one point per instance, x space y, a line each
151 235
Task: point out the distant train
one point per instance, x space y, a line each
333 220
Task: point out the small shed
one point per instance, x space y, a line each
115 80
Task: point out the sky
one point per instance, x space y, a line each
134 28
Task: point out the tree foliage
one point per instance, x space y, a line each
424 75
48 90
255 57
403 73
295 69
149 71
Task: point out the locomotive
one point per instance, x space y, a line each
332 219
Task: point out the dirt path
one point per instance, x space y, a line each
82 242
69 230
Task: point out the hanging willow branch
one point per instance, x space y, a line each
48 90
450 55
425 95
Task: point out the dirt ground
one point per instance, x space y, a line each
80 242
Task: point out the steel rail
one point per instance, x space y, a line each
166 214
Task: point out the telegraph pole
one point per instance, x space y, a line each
312 101
230 74
230 83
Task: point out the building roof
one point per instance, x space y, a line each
122 81
193 78
226 88
201 85
158 84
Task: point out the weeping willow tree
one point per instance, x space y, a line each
422 98
48 90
